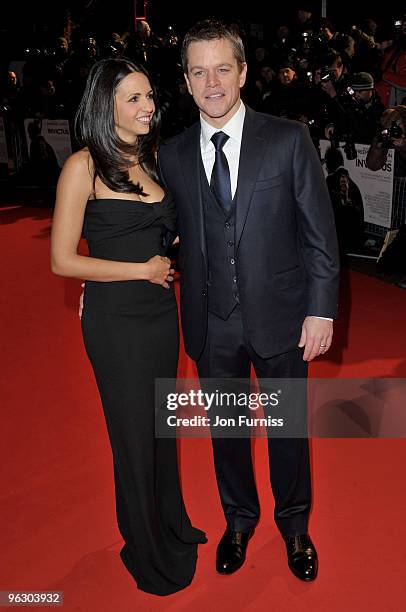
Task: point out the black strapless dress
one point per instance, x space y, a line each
131 334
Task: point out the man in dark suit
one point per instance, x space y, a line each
259 273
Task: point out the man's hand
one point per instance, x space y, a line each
316 337
329 88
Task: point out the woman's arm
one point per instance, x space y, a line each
73 191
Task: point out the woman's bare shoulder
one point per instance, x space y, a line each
80 160
77 174
80 165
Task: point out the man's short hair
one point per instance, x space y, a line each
213 29
326 23
328 59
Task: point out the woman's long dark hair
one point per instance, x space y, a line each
95 128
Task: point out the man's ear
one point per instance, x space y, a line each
188 83
243 74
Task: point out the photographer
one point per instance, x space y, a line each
368 54
289 96
356 111
303 20
329 38
330 78
331 74
391 134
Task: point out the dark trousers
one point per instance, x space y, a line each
227 354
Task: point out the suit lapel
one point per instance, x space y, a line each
251 157
189 158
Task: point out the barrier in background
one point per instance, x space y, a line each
383 194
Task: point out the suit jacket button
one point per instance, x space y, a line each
204 293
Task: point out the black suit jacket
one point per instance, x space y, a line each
286 246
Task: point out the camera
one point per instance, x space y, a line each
349 144
348 97
171 38
349 149
309 76
388 135
327 75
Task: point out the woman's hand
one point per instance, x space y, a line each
160 271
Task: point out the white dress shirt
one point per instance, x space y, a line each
233 128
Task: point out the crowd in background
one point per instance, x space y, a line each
339 83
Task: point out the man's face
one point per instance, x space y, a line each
267 73
62 47
12 77
260 54
344 182
283 32
326 33
364 96
337 68
303 16
371 24
214 79
286 75
48 89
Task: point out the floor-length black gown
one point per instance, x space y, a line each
130 330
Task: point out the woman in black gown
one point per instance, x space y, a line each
130 324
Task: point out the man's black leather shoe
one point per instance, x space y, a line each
302 556
231 551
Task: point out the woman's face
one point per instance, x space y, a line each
133 107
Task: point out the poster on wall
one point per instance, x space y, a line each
48 146
375 187
50 137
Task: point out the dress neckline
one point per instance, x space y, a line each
157 203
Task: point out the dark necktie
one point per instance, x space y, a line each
220 177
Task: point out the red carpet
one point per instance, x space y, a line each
57 506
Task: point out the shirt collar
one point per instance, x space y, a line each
233 128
